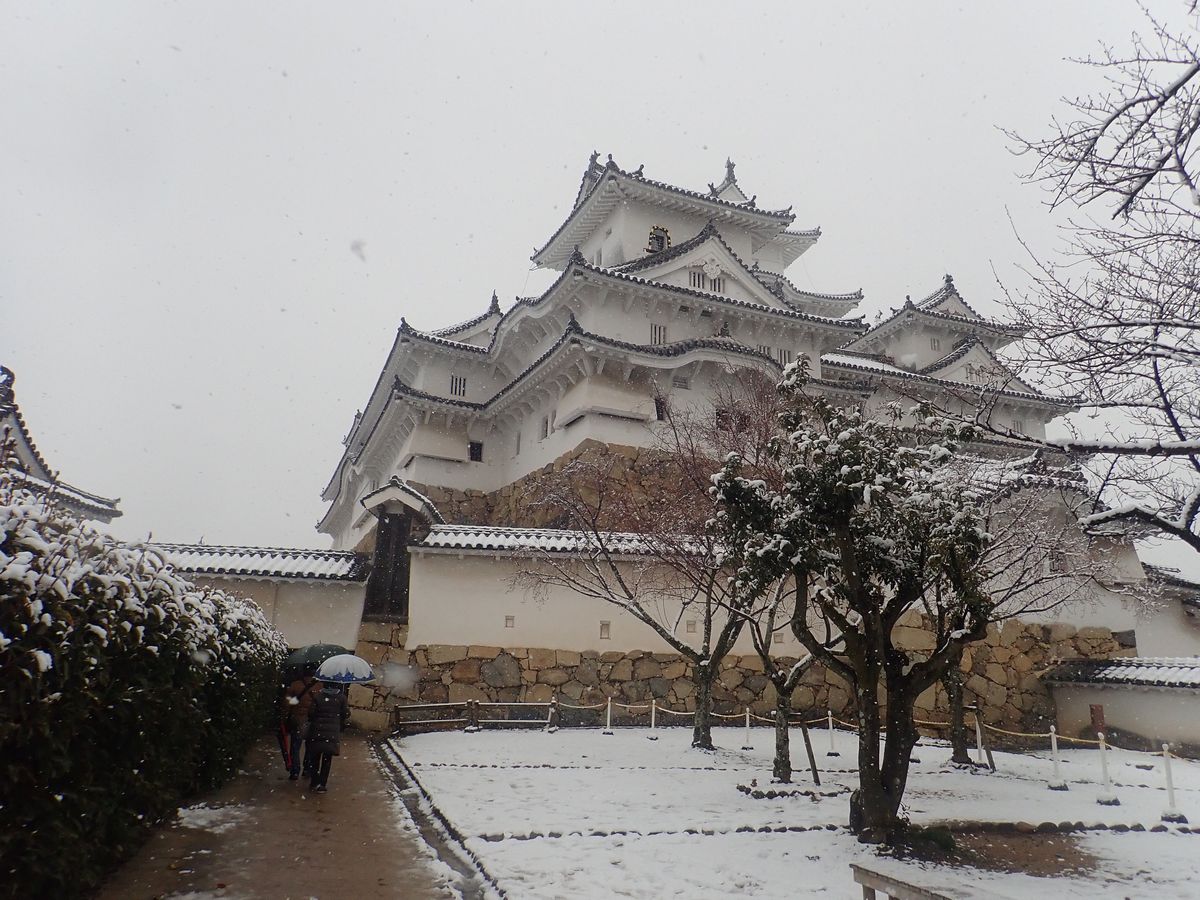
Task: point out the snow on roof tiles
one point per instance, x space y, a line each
265 562
547 540
1145 671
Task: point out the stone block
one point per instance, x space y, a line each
369 720
1022 663
677 669
502 672
1060 631
465 671
995 695
539 693
434 693
659 687
399 636
647 667
542 659
518 652
1093 633
752 664
756 684
635 691
553 676
460 693
1009 632
361 696
375 632
996 674
611 656
440 654
732 679
372 653
906 638
622 670
804 698
588 671
573 690
475 652
567 658
683 688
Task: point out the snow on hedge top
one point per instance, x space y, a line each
66 585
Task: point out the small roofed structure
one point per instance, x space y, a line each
311 596
20 455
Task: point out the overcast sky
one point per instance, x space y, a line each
215 214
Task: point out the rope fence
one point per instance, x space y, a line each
472 721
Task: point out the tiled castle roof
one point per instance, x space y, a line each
265 562
1163 672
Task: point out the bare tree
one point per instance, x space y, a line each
1117 321
651 552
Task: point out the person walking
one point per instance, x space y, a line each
326 719
297 705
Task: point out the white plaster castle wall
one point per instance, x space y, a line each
465 599
306 612
1164 629
1153 713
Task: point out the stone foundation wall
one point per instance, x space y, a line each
1001 673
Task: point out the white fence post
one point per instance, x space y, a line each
746 745
608 717
1172 813
829 725
978 738
1108 798
653 715
1057 784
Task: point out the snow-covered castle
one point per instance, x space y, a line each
661 290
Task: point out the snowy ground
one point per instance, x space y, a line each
579 814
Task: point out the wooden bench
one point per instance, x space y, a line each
898 889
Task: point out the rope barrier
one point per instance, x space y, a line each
573 706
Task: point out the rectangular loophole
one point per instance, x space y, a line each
605 631
510 621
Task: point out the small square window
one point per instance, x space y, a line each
777 637
605 631
475 451
691 626
510 621
680 381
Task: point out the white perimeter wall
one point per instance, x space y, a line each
306 612
1160 714
1167 630
464 600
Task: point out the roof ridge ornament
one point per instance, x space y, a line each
495 304
730 165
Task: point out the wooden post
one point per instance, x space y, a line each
812 759
552 716
472 717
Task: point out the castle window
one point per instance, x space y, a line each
691 626
510 621
681 382
605 631
785 356
718 285
698 279
660 240
475 451
935 344
661 411
778 637
458 386
517 451
545 428
658 334
764 349
599 256
1019 425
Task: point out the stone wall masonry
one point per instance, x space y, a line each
1001 673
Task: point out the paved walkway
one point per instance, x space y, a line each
262 837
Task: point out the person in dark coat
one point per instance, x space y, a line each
297 704
326 718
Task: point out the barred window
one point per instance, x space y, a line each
785 356
658 334
698 279
458 386
718 285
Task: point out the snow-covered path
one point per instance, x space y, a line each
582 814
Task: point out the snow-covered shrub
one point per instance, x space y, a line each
123 688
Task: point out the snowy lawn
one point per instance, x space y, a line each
581 814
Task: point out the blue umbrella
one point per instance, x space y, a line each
345 668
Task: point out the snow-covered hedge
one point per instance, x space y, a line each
123 688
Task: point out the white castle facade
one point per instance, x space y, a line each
661 291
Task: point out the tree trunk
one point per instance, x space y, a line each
782 768
702 721
875 806
953 682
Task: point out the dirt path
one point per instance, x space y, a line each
261 837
